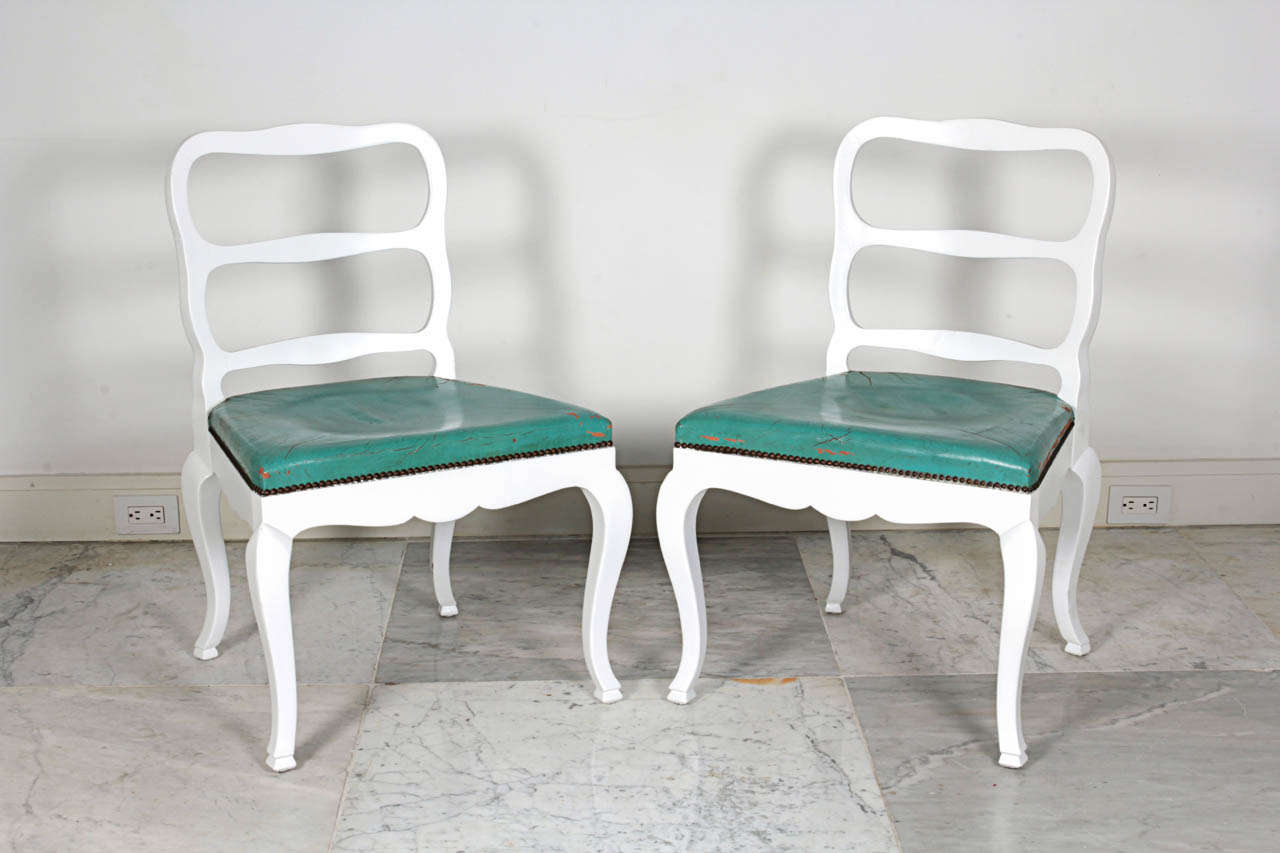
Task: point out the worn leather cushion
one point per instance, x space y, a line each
291 438
901 423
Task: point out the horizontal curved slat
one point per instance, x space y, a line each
958 346
305 139
327 349
962 243
980 134
303 248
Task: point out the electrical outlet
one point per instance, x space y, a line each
1139 504
144 514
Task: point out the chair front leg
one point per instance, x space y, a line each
267 561
1023 552
677 518
202 498
610 502
1079 505
441 544
839 532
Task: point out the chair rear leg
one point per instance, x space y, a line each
610 502
1079 505
441 545
839 532
1023 552
677 517
267 560
202 499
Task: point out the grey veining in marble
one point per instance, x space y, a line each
1248 559
521 608
1119 761
928 602
168 768
530 766
128 613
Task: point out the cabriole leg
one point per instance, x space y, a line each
441 544
267 561
839 531
1023 552
201 497
1079 505
610 502
677 516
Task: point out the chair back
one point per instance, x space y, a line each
1082 253
199 258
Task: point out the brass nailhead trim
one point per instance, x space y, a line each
877 469
385 475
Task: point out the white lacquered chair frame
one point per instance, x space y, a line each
845 494
440 497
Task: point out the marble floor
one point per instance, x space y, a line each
869 730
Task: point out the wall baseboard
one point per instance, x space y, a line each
69 507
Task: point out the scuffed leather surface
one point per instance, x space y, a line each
287 438
934 426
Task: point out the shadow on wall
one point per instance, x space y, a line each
510 309
91 294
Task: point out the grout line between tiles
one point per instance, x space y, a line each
368 700
853 711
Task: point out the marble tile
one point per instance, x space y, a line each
1119 761
520 614
168 768
116 613
1248 559
530 766
928 602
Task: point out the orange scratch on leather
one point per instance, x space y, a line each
736 440
596 434
834 452
710 437
787 680
755 680
262 472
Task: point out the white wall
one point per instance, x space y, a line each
640 204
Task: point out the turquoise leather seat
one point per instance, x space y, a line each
913 425
287 439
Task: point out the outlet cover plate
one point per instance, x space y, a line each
141 515
1116 513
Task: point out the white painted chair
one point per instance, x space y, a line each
846 478
440 492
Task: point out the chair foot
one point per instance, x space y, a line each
281 763
1078 649
608 697
682 697
834 608
449 610
205 654
1013 762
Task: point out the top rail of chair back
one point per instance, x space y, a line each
302 140
978 135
